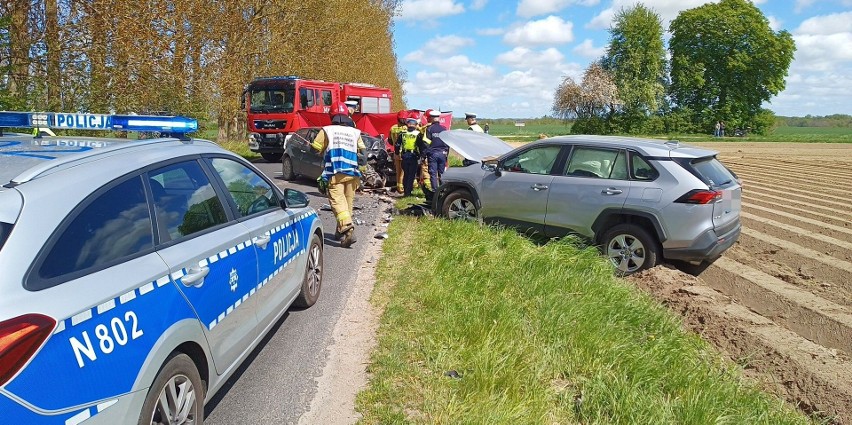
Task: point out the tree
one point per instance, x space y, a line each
591 102
636 58
726 62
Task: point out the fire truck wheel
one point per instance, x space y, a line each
287 169
271 157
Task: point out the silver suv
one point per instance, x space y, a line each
138 275
642 201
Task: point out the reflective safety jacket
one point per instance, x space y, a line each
340 146
395 131
407 142
476 128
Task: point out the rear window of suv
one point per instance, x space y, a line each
713 172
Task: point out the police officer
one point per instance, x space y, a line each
406 145
470 117
344 118
395 131
343 151
436 152
423 144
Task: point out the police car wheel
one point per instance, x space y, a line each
287 168
176 396
272 157
312 283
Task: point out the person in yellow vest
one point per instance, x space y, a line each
343 151
406 145
470 117
395 131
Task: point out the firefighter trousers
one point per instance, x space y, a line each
400 173
341 197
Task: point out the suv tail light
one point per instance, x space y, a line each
20 338
699 196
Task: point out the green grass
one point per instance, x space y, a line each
531 329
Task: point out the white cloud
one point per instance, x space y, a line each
478 4
530 8
667 9
440 46
522 57
490 31
586 49
802 5
775 23
423 10
826 24
550 30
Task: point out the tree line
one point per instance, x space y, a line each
724 61
190 57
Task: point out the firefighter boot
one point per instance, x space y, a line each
348 237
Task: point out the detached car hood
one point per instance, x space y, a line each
474 146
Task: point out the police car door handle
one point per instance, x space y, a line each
262 241
612 191
195 276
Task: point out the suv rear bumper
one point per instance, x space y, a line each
708 246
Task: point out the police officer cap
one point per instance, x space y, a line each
469 115
434 113
351 103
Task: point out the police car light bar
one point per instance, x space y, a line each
57 120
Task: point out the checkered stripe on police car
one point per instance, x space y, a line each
89 412
266 280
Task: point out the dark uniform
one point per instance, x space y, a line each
436 154
409 151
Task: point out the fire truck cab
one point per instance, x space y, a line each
278 106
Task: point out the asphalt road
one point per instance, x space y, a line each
275 385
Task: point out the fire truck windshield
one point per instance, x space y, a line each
272 99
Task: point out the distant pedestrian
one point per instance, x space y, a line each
470 117
721 129
717 130
486 128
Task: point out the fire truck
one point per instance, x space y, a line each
278 106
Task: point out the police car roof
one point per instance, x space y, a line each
25 157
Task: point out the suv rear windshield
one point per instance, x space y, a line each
5 229
713 172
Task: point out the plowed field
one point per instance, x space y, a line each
779 303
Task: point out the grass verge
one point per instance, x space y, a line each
536 335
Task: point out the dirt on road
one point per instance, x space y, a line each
779 303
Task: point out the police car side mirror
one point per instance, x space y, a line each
294 199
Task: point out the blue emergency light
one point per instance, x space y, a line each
74 121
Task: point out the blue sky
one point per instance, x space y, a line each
504 59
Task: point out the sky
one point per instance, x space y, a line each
505 59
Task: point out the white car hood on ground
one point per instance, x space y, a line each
474 146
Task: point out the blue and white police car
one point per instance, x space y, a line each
136 276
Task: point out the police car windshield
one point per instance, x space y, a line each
5 229
272 100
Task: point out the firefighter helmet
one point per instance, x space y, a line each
338 108
402 115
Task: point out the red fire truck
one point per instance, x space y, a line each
278 106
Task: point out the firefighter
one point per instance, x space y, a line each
409 151
471 122
344 118
395 131
436 153
423 145
343 154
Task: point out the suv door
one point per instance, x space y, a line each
275 238
517 194
211 257
306 161
593 180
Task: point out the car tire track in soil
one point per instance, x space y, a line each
779 303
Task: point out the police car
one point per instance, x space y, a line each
136 276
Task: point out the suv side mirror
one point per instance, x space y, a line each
294 199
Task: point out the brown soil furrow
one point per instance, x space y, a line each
801 219
748 185
836 213
798 230
812 187
800 250
828 167
816 183
815 318
775 169
831 219
812 377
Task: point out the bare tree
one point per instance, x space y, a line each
595 96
